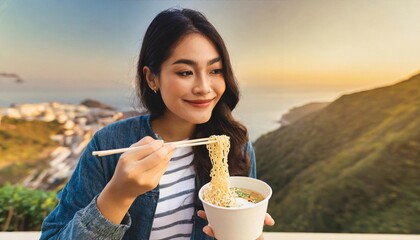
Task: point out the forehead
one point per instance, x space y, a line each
196 47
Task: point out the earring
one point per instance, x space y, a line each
155 90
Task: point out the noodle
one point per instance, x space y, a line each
219 192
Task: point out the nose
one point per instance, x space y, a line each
202 85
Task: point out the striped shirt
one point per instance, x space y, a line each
175 208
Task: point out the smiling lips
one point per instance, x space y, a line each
199 103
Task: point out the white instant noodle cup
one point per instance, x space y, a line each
238 223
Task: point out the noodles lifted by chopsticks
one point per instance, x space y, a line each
219 192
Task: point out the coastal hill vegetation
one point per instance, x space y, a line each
353 166
24 145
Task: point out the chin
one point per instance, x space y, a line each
200 120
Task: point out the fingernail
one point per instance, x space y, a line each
171 146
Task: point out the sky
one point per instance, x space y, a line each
348 44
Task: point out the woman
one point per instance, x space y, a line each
185 81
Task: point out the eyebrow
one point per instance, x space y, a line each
194 63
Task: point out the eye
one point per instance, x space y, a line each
185 73
217 71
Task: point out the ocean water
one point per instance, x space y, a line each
260 108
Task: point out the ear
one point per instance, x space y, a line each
150 78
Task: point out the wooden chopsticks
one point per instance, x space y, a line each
178 144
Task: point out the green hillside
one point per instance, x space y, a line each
353 166
24 145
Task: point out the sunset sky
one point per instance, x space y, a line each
348 44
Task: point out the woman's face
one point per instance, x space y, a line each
191 80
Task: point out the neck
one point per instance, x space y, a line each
172 128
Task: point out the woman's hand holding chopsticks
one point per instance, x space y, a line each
137 172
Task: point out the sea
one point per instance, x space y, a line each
260 107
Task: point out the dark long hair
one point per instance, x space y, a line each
162 35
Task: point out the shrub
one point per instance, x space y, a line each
24 209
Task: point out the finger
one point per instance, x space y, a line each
158 158
154 174
143 141
171 148
160 168
140 152
202 214
269 220
207 230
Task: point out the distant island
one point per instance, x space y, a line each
90 103
14 76
351 166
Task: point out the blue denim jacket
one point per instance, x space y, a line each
77 216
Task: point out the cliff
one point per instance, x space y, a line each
353 166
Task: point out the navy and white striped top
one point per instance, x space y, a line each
175 208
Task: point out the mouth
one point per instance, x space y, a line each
200 103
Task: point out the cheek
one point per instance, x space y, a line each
173 91
220 88
172 86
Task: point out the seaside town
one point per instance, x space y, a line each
79 123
